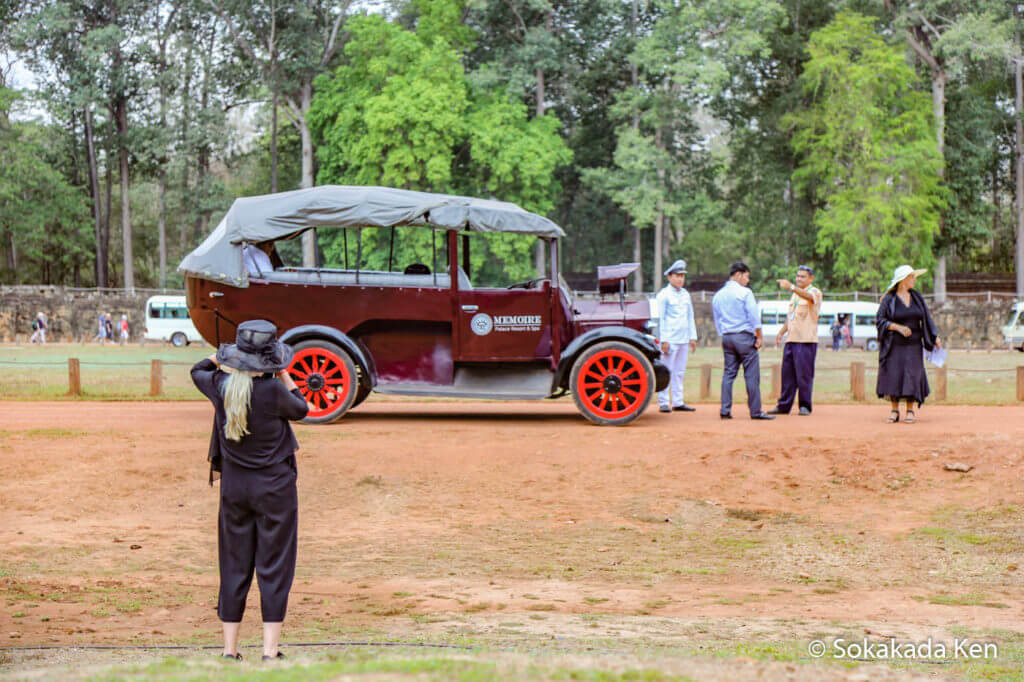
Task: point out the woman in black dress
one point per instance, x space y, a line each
254 448
905 331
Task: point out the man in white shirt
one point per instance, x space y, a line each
257 258
678 333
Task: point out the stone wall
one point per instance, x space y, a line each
962 323
73 313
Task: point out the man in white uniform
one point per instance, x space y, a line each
678 333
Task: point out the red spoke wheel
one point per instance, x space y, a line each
326 376
612 383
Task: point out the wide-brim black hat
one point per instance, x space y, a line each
256 349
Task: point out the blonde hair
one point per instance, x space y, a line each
237 396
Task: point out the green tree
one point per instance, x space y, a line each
867 153
400 111
44 221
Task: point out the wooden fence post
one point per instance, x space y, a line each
705 382
940 383
74 377
857 380
776 382
1020 383
156 377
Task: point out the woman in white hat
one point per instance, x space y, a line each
905 327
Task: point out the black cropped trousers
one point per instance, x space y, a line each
257 531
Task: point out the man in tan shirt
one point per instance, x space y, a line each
802 342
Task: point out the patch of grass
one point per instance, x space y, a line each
972 599
373 480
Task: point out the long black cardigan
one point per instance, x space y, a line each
886 311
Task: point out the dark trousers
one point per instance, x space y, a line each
738 349
257 530
797 374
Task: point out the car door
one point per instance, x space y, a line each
504 325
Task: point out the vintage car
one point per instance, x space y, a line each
423 330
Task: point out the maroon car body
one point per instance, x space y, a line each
437 335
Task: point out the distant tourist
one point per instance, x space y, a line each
905 327
39 329
124 330
847 336
837 333
678 333
801 350
108 326
101 330
739 324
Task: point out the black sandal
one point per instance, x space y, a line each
910 418
236 657
894 417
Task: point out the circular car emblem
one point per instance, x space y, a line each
481 324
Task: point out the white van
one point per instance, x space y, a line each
167 320
1013 330
861 315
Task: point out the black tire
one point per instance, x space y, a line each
871 346
333 364
179 340
612 383
361 394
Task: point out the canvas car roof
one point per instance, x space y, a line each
276 216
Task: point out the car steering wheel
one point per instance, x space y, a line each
528 284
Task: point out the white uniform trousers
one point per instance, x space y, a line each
675 360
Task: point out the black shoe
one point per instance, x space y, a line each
725 415
236 657
764 415
273 658
776 410
684 408
804 412
664 409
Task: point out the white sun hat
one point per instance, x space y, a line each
902 272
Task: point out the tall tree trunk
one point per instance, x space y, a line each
659 223
203 160
161 225
939 109
126 215
1018 110
309 236
634 75
273 142
100 269
186 105
108 210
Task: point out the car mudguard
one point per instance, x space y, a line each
643 342
307 332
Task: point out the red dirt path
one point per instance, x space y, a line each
423 508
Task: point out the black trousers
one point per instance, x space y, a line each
738 349
257 530
797 374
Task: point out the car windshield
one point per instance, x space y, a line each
1012 319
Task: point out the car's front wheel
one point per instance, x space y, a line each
871 345
178 340
612 383
326 376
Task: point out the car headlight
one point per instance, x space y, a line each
649 325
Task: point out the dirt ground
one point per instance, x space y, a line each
422 519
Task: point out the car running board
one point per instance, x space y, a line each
488 383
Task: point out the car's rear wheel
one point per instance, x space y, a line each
178 340
612 383
326 377
871 345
